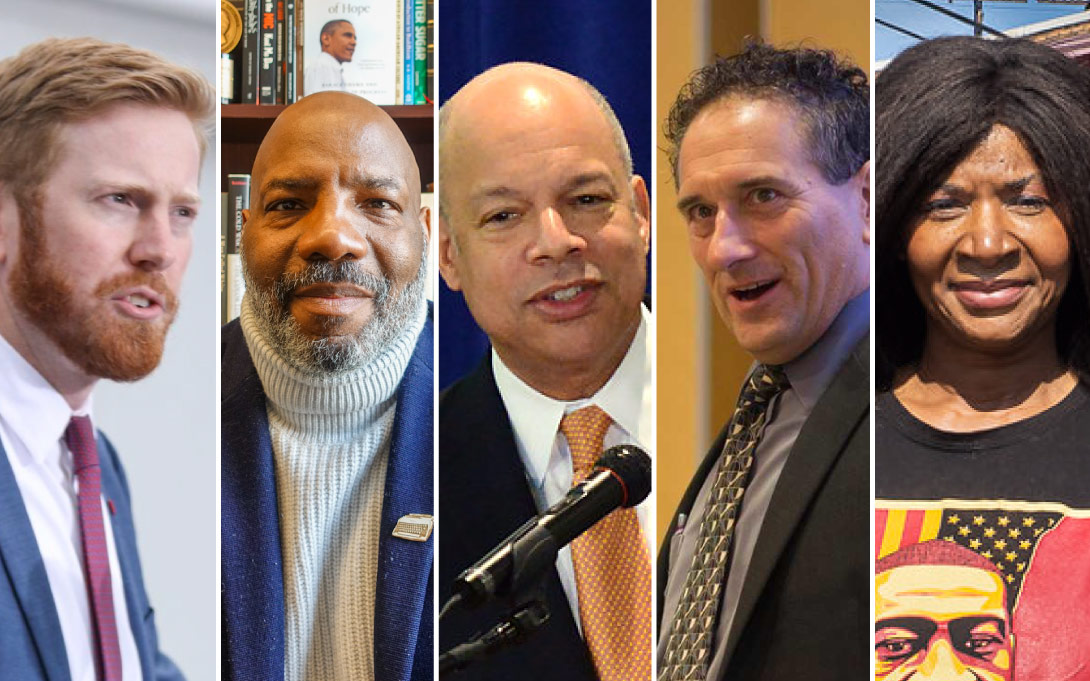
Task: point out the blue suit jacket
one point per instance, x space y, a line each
252 572
483 497
31 641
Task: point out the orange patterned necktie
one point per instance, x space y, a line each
612 568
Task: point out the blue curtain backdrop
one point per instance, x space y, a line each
606 42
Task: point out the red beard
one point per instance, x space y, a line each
94 337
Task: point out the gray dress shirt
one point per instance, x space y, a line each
810 374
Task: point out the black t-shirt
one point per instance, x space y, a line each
1045 457
1017 496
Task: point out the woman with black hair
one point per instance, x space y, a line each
982 421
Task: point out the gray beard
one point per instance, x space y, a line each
333 355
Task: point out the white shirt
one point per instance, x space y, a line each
535 420
33 418
323 72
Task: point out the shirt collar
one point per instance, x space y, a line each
811 372
535 418
31 409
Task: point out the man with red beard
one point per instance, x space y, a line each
98 194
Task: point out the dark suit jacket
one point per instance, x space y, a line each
252 574
483 497
804 610
31 641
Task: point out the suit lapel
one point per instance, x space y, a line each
251 570
23 563
817 448
404 566
498 467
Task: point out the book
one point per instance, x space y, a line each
429 63
362 56
420 52
267 55
290 93
238 199
281 54
224 222
407 61
250 22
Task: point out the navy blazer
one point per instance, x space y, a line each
483 497
251 570
31 641
804 610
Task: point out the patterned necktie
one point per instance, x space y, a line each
612 568
80 438
688 649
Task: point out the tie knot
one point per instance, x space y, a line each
585 431
80 438
766 381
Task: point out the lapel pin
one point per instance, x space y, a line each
414 527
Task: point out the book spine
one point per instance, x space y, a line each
399 47
420 52
290 94
225 224
238 199
250 34
281 54
408 60
429 68
267 74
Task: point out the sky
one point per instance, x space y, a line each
931 24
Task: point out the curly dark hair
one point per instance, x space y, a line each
829 94
936 102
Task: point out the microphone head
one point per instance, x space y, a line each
632 466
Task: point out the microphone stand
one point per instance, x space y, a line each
533 553
515 628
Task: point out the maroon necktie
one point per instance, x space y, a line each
96 559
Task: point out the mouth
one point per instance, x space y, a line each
753 290
139 302
331 299
989 294
566 300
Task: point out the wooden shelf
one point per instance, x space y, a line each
245 125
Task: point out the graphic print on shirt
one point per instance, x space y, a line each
981 589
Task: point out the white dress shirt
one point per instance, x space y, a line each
33 418
535 420
323 72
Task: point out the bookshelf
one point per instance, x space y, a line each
245 125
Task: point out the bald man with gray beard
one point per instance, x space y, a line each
327 407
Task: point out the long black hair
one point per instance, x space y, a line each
934 104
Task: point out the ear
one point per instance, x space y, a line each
861 182
448 265
425 222
643 210
325 39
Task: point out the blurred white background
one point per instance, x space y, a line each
164 427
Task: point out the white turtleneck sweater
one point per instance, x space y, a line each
330 440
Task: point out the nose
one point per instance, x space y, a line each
554 239
729 243
987 239
332 232
942 664
156 244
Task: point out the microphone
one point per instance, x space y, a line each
620 477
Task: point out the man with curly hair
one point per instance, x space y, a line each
765 569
